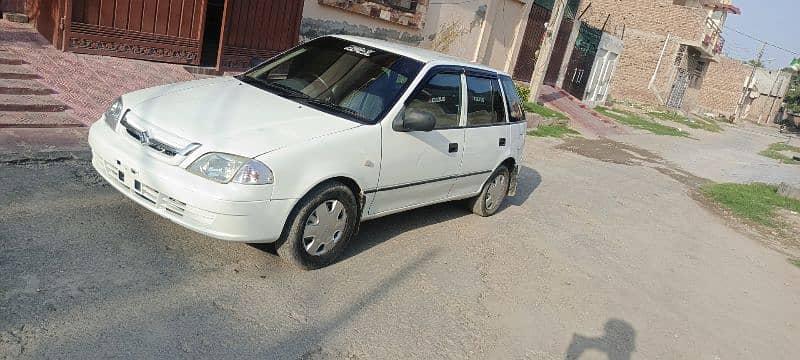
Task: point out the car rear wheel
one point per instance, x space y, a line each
494 192
320 228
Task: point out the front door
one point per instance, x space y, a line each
421 167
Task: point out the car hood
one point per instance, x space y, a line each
227 115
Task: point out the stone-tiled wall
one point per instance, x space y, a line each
414 19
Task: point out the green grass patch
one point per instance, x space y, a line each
756 202
556 131
795 262
638 122
544 112
774 152
695 123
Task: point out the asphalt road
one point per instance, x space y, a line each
591 259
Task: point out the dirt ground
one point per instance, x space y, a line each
603 253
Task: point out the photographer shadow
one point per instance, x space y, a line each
618 342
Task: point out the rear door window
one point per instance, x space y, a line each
485 104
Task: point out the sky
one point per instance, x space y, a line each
772 20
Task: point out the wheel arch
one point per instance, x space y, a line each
510 162
347 181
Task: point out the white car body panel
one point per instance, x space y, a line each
232 117
302 146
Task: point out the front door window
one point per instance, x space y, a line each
441 97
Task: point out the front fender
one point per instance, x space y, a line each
354 154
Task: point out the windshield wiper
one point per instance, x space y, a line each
279 88
336 108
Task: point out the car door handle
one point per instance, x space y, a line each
502 141
453 147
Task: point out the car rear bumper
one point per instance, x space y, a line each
184 198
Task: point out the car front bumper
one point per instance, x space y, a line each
224 211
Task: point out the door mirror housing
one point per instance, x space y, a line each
417 120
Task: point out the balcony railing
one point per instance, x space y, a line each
712 37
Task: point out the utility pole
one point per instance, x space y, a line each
543 59
740 109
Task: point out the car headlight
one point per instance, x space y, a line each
224 168
114 113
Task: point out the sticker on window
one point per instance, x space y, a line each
478 99
438 99
360 50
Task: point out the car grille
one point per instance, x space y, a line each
144 138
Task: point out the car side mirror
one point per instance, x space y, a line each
418 120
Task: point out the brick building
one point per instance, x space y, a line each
669 46
722 87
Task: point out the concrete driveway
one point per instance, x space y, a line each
592 259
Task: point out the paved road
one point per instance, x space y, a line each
728 156
591 258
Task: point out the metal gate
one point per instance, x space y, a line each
559 49
678 90
160 30
582 60
531 42
255 30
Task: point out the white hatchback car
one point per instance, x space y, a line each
302 148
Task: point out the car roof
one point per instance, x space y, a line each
423 55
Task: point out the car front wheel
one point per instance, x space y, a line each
493 193
322 224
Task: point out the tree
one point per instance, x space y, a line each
792 98
755 62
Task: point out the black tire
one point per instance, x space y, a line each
479 205
292 245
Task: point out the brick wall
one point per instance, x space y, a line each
722 86
643 26
657 16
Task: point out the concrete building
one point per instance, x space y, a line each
764 95
486 32
528 39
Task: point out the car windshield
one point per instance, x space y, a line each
338 76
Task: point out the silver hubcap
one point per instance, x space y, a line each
496 192
324 227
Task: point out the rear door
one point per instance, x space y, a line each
421 167
487 134
518 126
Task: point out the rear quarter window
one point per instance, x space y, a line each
513 102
